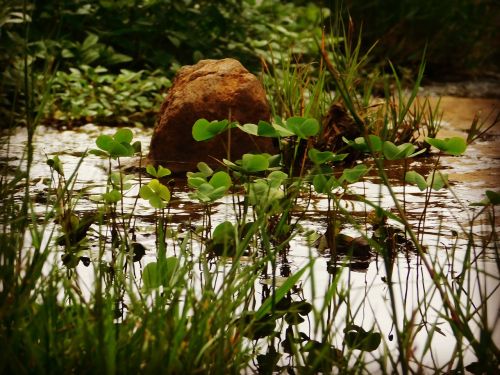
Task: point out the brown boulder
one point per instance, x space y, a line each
213 90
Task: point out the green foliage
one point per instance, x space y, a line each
208 190
158 173
403 151
204 130
159 273
112 196
56 164
253 163
360 144
435 181
88 94
115 146
303 128
324 181
156 193
453 146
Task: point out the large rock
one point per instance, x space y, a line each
213 90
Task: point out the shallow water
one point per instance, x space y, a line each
447 222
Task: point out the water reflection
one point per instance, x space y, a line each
344 297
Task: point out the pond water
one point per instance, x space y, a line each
447 223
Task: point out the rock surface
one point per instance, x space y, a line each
213 90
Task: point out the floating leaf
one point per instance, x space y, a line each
309 128
104 142
118 145
255 327
322 157
322 356
121 181
195 182
204 169
150 169
300 307
223 233
276 178
137 146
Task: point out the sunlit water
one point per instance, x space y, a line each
447 222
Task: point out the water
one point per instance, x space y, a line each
444 233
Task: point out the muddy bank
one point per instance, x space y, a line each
480 165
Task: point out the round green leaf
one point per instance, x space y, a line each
320 157
254 163
415 178
309 128
162 172
124 135
251 129
112 197
150 169
456 146
104 142
276 178
159 189
453 146
200 131
265 129
156 202
204 130
352 175
146 193
440 180
204 169
195 182
121 149
220 179
393 152
223 233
